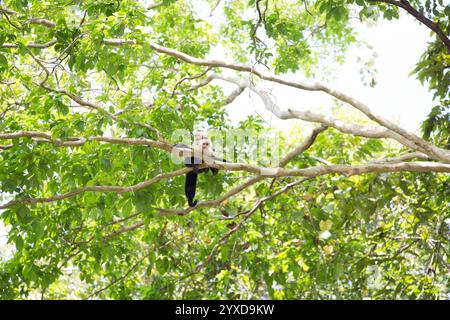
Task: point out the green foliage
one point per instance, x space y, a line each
371 236
436 126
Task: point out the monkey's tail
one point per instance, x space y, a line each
189 188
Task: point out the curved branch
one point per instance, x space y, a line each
43 22
433 26
210 203
30 45
9 146
188 78
124 229
116 189
430 149
270 105
404 157
350 128
91 105
261 172
305 145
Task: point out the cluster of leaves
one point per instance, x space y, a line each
433 68
287 35
436 126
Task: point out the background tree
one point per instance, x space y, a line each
90 95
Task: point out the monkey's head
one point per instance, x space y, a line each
206 147
205 143
199 135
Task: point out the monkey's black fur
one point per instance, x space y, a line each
190 184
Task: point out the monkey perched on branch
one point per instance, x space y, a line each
201 147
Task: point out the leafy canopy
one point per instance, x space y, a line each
88 69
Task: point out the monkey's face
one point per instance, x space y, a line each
199 135
206 144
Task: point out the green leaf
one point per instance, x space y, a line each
3 62
18 242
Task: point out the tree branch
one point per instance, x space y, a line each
116 189
30 45
43 22
435 152
433 26
404 157
260 172
354 129
78 141
306 144
188 78
257 205
155 5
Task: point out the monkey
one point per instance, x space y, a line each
202 146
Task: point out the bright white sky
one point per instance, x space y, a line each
397 96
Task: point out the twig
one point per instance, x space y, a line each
188 78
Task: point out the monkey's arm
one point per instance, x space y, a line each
215 171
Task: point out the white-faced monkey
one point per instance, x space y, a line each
202 146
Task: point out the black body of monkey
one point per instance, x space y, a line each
190 184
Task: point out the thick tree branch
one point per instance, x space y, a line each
347 170
9 146
78 141
414 140
260 172
43 22
354 129
305 145
116 189
430 149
